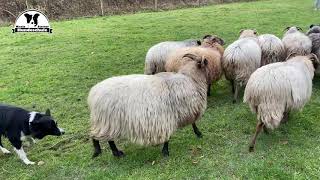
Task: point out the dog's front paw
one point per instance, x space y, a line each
5 151
27 162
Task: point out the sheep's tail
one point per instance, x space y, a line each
270 114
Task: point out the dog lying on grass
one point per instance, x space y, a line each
18 125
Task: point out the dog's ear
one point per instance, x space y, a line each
241 31
48 113
220 41
287 28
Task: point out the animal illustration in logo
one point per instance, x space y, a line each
32 19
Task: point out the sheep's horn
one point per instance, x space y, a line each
191 56
286 29
291 55
207 36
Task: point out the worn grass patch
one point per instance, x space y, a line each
57 71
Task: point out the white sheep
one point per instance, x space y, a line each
241 59
276 89
148 109
296 42
272 49
157 55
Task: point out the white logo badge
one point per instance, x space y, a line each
32 21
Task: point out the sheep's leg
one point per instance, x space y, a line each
232 85
165 149
115 151
97 148
196 130
258 130
209 90
235 96
265 130
285 117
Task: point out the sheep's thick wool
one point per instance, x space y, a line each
241 59
157 55
296 43
272 49
147 109
279 87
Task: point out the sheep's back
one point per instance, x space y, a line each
272 49
241 59
157 55
176 61
297 43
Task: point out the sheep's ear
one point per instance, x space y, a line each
255 32
241 31
314 59
199 42
311 26
299 29
48 113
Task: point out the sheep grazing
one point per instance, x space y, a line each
276 89
296 42
211 48
241 59
148 109
157 55
272 49
314 34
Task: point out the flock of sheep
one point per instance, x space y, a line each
148 109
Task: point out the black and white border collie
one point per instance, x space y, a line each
19 125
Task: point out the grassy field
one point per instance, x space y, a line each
57 71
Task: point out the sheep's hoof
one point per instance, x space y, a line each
165 153
118 154
199 135
251 149
96 154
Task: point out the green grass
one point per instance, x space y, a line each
57 71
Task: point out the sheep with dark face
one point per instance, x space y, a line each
157 55
272 49
148 109
296 42
241 59
211 48
275 89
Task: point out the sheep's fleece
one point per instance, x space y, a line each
145 109
279 87
157 55
241 59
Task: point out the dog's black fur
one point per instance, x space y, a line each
14 121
